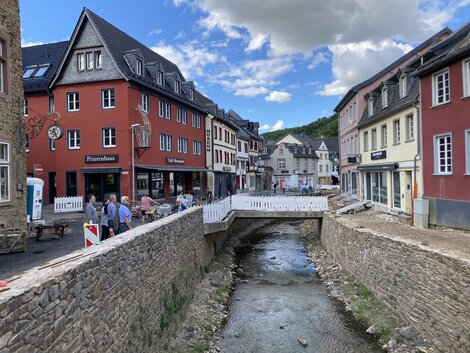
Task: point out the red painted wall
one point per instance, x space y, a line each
453 118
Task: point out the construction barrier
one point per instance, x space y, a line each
92 234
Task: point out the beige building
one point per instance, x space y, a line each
12 137
389 140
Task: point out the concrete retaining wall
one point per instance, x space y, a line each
427 289
121 296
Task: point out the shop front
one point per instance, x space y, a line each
380 185
98 181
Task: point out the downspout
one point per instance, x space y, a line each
416 105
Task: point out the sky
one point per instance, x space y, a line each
280 63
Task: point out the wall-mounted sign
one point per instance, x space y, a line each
208 140
101 158
378 155
226 169
174 160
284 171
352 159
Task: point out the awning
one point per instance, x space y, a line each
169 168
377 167
100 170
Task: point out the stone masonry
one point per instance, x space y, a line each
123 295
428 289
13 212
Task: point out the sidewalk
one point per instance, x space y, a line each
50 217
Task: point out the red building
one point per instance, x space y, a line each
131 123
445 106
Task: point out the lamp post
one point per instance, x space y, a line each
133 126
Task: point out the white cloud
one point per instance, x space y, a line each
318 59
278 97
31 44
251 91
154 31
277 126
256 42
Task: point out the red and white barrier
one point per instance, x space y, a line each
92 234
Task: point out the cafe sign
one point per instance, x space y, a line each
101 158
174 160
378 155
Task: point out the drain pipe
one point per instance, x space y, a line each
416 105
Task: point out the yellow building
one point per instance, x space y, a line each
389 142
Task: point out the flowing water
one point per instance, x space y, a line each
282 300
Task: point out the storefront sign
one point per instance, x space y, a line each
226 169
101 158
284 171
174 160
352 159
378 155
208 140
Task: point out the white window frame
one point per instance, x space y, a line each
167 110
384 95
108 133
108 98
446 90
384 135
197 148
370 106
160 77
181 115
396 132
191 94
437 159
98 59
373 133
139 66
144 101
196 120
52 145
177 86
75 139
402 82
165 142
182 145
90 60
281 163
51 103
410 127
467 152
81 62
161 109
75 101
5 164
466 77
366 141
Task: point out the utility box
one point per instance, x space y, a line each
421 213
34 201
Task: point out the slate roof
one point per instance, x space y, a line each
332 143
454 47
244 124
213 108
396 63
395 103
38 55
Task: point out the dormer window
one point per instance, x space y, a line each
402 86
90 61
384 97
177 86
29 71
191 94
98 60
160 77
370 106
138 67
41 70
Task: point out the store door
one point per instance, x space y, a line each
52 187
396 190
101 184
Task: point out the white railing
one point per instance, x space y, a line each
327 187
68 204
218 211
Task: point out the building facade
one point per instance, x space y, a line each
12 140
445 106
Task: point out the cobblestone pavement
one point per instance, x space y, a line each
446 240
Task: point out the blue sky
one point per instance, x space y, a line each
281 63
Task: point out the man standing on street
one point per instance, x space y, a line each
112 207
90 210
125 216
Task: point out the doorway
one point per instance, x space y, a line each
52 187
396 190
101 184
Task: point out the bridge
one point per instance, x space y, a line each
219 216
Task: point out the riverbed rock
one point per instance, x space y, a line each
408 332
373 329
303 342
393 343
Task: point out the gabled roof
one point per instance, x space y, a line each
51 54
332 143
390 67
244 124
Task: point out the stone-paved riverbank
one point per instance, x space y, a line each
394 336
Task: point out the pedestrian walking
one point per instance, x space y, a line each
125 217
104 218
113 221
90 210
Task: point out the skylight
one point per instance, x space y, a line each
29 71
41 70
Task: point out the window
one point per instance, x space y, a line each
197 147
29 71
366 141
165 142
196 120
4 172
107 98
182 145
467 151
138 67
239 146
441 88
191 94
410 134
384 97
26 143
73 101
3 67
41 70
281 163
246 147
466 78
25 106
443 154
167 110
160 77
98 60
374 139
215 132
51 145
51 104
90 61
370 106
81 62
177 86
402 86
396 131
181 115
281 149
109 137
321 168
145 102
73 139
384 135
161 109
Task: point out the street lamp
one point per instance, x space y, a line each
133 126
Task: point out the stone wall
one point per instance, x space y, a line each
124 295
13 210
427 289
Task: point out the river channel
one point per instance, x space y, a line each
280 300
